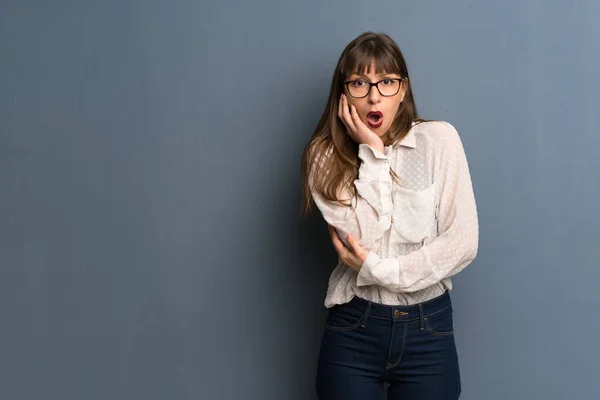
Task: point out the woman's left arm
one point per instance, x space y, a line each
454 248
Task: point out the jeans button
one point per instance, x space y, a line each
397 314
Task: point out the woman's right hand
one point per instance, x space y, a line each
357 130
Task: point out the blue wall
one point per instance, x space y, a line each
150 245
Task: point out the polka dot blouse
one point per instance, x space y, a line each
419 231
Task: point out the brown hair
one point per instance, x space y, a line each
330 159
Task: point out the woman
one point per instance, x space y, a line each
397 195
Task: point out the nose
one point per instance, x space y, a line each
374 96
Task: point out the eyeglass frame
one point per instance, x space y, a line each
371 84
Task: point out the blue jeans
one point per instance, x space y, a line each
411 348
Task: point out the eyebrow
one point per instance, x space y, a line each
383 76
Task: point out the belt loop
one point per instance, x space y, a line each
421 319
365 316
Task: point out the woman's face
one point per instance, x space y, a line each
375 110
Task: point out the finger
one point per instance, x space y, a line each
355 118
357 250
331 230
353 262
337 243
352 243
346 115
354 247
341 116
339 246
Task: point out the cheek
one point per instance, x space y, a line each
361 108
354 102
394 107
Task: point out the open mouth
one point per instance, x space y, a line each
375 119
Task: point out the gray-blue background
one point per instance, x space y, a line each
150 246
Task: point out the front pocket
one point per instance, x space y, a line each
341 318
440 323
413 214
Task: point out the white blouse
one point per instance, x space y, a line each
418 233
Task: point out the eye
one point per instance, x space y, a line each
358 83
388 82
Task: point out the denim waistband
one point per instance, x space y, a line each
399 313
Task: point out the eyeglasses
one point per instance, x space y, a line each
387 87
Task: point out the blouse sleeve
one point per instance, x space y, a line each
368 216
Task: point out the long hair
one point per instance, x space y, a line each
330 159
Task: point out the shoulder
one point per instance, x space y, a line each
437 130
439 134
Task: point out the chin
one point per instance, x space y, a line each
381 131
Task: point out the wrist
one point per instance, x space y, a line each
377 146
